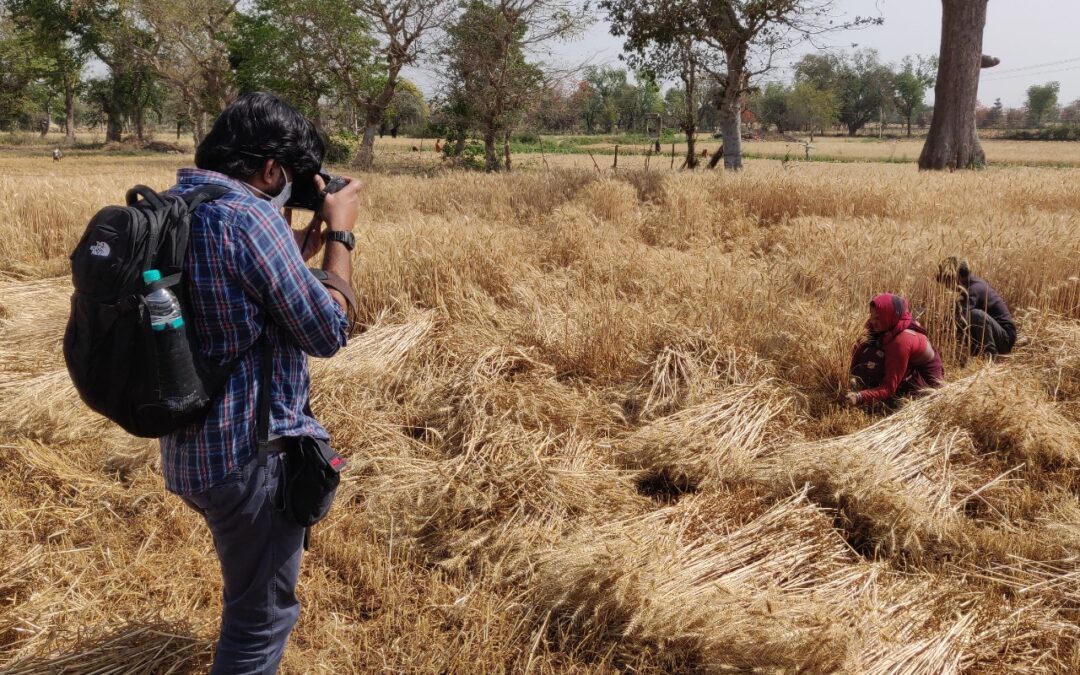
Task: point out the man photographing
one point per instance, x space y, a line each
248 290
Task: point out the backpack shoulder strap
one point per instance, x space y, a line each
203 194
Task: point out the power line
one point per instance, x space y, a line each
989 78
1037 66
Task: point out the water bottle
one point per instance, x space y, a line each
163 306
178 382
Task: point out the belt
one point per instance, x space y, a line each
279 444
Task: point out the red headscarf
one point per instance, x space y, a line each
894 315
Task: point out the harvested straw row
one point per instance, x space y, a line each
47 407
720 440
763 595
140 647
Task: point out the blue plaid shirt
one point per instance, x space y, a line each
244 275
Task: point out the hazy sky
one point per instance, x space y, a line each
1024 34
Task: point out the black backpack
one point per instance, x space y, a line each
150 383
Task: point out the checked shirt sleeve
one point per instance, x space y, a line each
270 269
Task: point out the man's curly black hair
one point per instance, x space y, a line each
256 127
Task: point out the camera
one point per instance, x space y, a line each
305 194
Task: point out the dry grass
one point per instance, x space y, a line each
593 427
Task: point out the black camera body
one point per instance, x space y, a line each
305 194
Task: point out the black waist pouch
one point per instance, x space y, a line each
312 473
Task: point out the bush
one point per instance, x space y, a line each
471 157
1059 132
341 147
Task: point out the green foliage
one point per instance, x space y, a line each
1057 132
1042 100
472 154
863 85
911 82
341 147
282 46
20 71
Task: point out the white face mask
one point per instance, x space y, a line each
282 197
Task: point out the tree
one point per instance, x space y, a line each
953 142
486 56
188 49
606 84
1042 101
52 26
995 115
408 105
911 82
810 108
401 26
588 104
1070 114
864 87
771 106
110 30
322 49
19 72
743 35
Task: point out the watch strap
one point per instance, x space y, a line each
348 239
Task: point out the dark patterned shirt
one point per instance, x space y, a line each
244 275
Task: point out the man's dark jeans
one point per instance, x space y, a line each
986 335
259 550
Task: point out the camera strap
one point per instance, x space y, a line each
262 420
333 281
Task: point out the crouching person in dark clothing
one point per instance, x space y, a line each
982 317
896 360
249 290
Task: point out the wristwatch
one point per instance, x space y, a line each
348 239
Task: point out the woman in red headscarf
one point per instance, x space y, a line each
897 359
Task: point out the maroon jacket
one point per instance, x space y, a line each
981 295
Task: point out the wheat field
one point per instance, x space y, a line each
593 426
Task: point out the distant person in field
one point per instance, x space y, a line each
896 359
982 317
249 288
57 155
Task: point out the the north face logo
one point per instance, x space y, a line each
99 249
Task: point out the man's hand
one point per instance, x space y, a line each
310 239
340 209
852 398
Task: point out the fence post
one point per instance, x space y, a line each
615 164
672 156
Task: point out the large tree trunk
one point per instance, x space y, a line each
365 159
689 122
69 110
691 149
459 141
46 121
114 125
140 122
731 109
731 128
953 142
199 127
491 157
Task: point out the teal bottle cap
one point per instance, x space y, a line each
150 276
